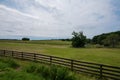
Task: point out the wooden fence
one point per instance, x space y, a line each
102 71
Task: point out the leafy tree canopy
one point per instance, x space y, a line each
78 39
107 39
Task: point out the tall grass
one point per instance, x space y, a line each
8 62
14 75
33 71
50 72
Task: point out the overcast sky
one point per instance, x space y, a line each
40 19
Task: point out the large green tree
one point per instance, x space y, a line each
78 39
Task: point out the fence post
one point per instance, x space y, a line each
4 53
50 60
22 55
101 69
34 57
72 65
12 53
0 52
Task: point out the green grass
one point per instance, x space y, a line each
45 42
108 56
28 70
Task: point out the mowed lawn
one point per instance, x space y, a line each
110 56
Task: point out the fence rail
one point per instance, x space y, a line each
103 71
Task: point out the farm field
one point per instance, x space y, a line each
109 56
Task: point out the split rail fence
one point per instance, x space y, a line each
101 70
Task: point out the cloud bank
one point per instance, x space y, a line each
58 18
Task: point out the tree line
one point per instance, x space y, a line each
111 39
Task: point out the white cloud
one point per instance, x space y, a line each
13 22
57 18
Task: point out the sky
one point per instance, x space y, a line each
47 19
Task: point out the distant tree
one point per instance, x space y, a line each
95 40
78 39
88 40
112 40
65 39
25 39
101 39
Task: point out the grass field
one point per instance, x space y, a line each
110 56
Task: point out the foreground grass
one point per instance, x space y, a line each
24 70
108 56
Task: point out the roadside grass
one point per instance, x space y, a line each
36 71
108 56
